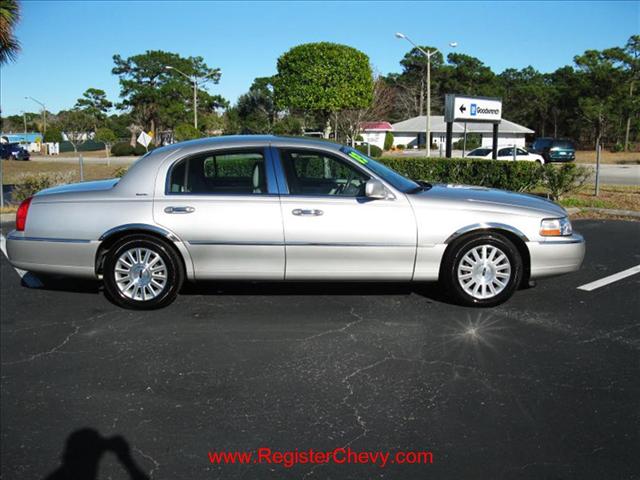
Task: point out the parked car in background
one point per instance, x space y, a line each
13 151
274 208
506 153
554 150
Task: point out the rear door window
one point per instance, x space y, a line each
220 173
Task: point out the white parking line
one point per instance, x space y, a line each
29 279
587 287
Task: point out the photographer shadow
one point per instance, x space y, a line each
84 451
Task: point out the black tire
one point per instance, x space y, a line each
454 256
174 272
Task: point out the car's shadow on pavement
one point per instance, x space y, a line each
430 291
84 451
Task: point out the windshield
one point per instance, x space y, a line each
394 178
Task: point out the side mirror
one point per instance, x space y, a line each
375 189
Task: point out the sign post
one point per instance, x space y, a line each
462 108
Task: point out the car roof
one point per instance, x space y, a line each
248 141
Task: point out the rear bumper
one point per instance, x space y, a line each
556 256
52 255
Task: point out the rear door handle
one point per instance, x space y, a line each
307 213
179 210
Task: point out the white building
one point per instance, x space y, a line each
374 132
408 132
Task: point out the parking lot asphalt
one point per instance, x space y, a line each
545 386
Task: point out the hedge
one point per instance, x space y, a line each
514 176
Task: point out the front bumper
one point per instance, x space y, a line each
52 255
556 256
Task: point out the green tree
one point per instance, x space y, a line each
106 136
325 78
76 126
9 44
414 77
627 59
155 96
186 131
53 135
95 104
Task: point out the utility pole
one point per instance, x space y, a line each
44 114
196 81
428 55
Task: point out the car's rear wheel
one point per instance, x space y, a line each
142 272
482 270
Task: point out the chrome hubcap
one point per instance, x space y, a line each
141 274
484 272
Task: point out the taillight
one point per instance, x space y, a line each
21 216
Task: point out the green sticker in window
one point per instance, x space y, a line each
358 157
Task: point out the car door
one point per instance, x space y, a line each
331 230
224 205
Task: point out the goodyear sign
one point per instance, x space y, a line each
461 108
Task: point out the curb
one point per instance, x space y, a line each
608 211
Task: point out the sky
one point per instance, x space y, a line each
68 47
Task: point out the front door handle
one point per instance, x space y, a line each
307 213
179 210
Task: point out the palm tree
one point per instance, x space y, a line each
9 16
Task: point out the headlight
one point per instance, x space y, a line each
555 227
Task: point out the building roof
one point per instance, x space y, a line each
373 126
438 125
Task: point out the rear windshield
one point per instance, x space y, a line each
541 143
564 144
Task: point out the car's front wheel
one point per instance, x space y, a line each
482 270
142 272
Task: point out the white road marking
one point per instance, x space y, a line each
29 279
587 287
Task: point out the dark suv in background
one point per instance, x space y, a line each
13 151
554 150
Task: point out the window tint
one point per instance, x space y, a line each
522 152
480 152
504 152
232 173
564 144
314 173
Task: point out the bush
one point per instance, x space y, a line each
375 151
122 149
400 147
474 140
28 185
359 138
515 176
140 150
388 140
618 147
562 179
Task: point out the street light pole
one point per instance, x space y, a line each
428 55
195 81
44 113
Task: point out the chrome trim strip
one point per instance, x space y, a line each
139 226
301 244
221 242
574 238
47 239
486 226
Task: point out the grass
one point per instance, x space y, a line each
618 197
619 158
12 171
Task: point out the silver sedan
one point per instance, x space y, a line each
270 208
